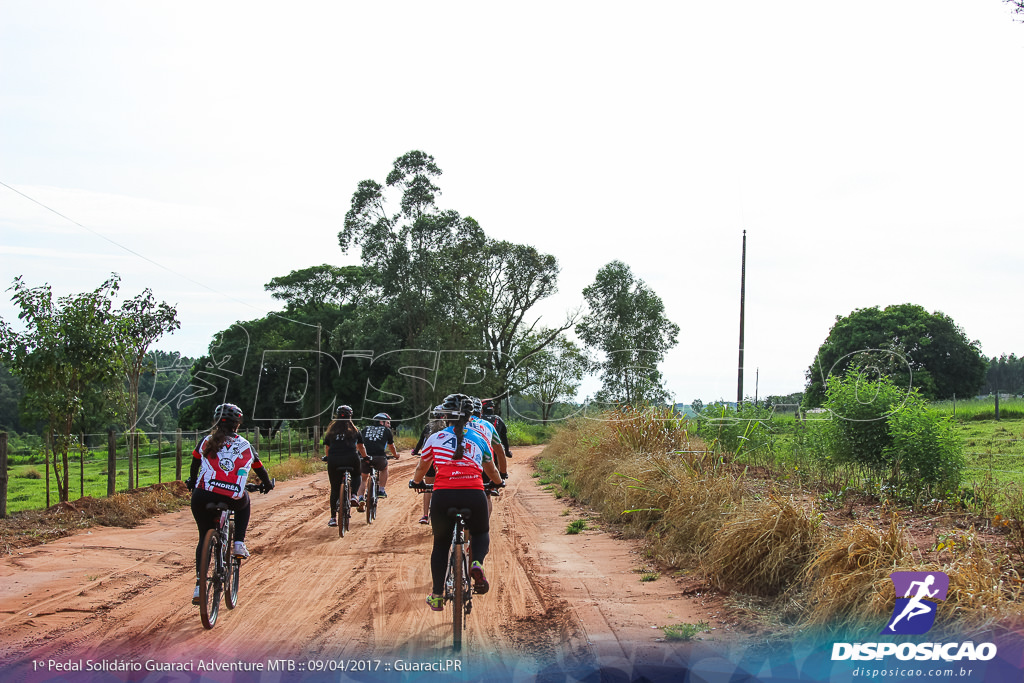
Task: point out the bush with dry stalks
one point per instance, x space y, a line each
763 548
849 577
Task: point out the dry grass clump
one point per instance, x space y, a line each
763 548
33 527
849 577
678 498
980 593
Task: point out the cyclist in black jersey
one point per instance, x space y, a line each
378 440
499 424
343 449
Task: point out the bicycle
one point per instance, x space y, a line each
345 504
222 576
458 591
371 494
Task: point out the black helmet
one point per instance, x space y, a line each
382 417
227 412
343 413
488 407
453 404
437 412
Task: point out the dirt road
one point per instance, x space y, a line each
115 603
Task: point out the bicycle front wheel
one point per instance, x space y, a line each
209 582
233 564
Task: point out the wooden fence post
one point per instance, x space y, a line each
177 456
128 436
81 465
46 454
3 475
159 460
111 462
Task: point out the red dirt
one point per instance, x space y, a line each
558 602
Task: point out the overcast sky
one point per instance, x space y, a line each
872 151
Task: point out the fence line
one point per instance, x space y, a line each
106 456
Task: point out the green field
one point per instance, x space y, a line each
157 462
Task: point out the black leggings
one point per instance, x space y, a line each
208 519
336 472
443 526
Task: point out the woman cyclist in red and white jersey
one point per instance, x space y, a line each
221 464
459 463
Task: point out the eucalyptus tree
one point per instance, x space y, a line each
627 322
140 322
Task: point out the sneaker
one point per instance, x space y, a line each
480 585
195 595
361 504
240 550
382 494
436 602
332 522
353 502
424 519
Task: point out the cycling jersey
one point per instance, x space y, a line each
226 471
376 438
464 473
501 428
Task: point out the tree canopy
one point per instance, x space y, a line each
905 342
627 323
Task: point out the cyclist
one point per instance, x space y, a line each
221 463
460 463
489 438
498 424
435 424
343 450
377 439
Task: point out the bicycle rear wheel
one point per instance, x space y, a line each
458 596
346 505
233 564
209 582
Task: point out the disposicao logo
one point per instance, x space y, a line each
914 614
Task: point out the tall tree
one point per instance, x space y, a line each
627 322
140 322
905 342
452 303
67 354
553 374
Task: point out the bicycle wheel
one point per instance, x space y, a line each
209 582
458 596
233 564
371 498
345 508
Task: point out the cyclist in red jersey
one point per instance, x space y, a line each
221 464
459 462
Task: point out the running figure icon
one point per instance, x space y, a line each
916 588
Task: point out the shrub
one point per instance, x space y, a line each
925 447
858 431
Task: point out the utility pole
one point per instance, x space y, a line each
743 285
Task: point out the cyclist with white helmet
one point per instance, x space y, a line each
378 440
221 464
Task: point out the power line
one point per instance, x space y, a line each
144 257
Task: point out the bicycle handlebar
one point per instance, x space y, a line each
489 487
253 488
